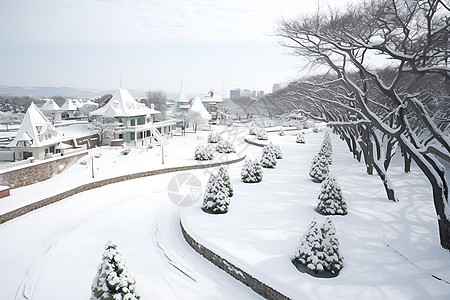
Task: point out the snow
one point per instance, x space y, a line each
391 250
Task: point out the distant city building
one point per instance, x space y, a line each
236 93
276 87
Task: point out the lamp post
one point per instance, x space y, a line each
92 162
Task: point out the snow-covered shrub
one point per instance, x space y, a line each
223 172
319 168
301 138
331 200
224 147
254 129
319 249
203 153
113 280
316 129
262 135
251 171
278 153
268 159
326 148
281 132
276 150
213 137
216 198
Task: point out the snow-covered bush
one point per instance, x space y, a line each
281 132
262 135
319 168
113 280
301 138
326 148
276 150
203 153
319 249
213 137
333 258
268 159
316 129
331 200
278 153
251 171
216 198
223 172
224 147
254 129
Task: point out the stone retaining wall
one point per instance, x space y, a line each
96 184
259 287
38 171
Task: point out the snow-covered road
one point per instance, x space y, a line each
53 253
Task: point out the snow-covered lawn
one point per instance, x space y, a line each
391 250
53 253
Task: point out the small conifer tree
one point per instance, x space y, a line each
213 138
331 200
333 258
216 198
310 251
254 129
113 280
262 134
203 153
224 147
251 171
223 172
319 168
268 159
326 148
301 138
281 132
319 249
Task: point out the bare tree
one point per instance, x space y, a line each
413 36
159 99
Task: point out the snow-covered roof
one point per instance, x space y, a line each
36 130
50 105
182 95
70 105
122 104
197 107
212 96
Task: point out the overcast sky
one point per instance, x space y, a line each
151 45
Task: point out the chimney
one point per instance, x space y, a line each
152 106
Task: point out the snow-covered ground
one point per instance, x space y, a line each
391 250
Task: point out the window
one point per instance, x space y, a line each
132 122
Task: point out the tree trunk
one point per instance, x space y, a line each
435 174
386 182
406 161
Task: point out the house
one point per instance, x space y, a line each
69 108
210 101
131 123
51 110
37 137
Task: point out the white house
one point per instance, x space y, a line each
37 137
51 110
69 108
210 101
132 123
